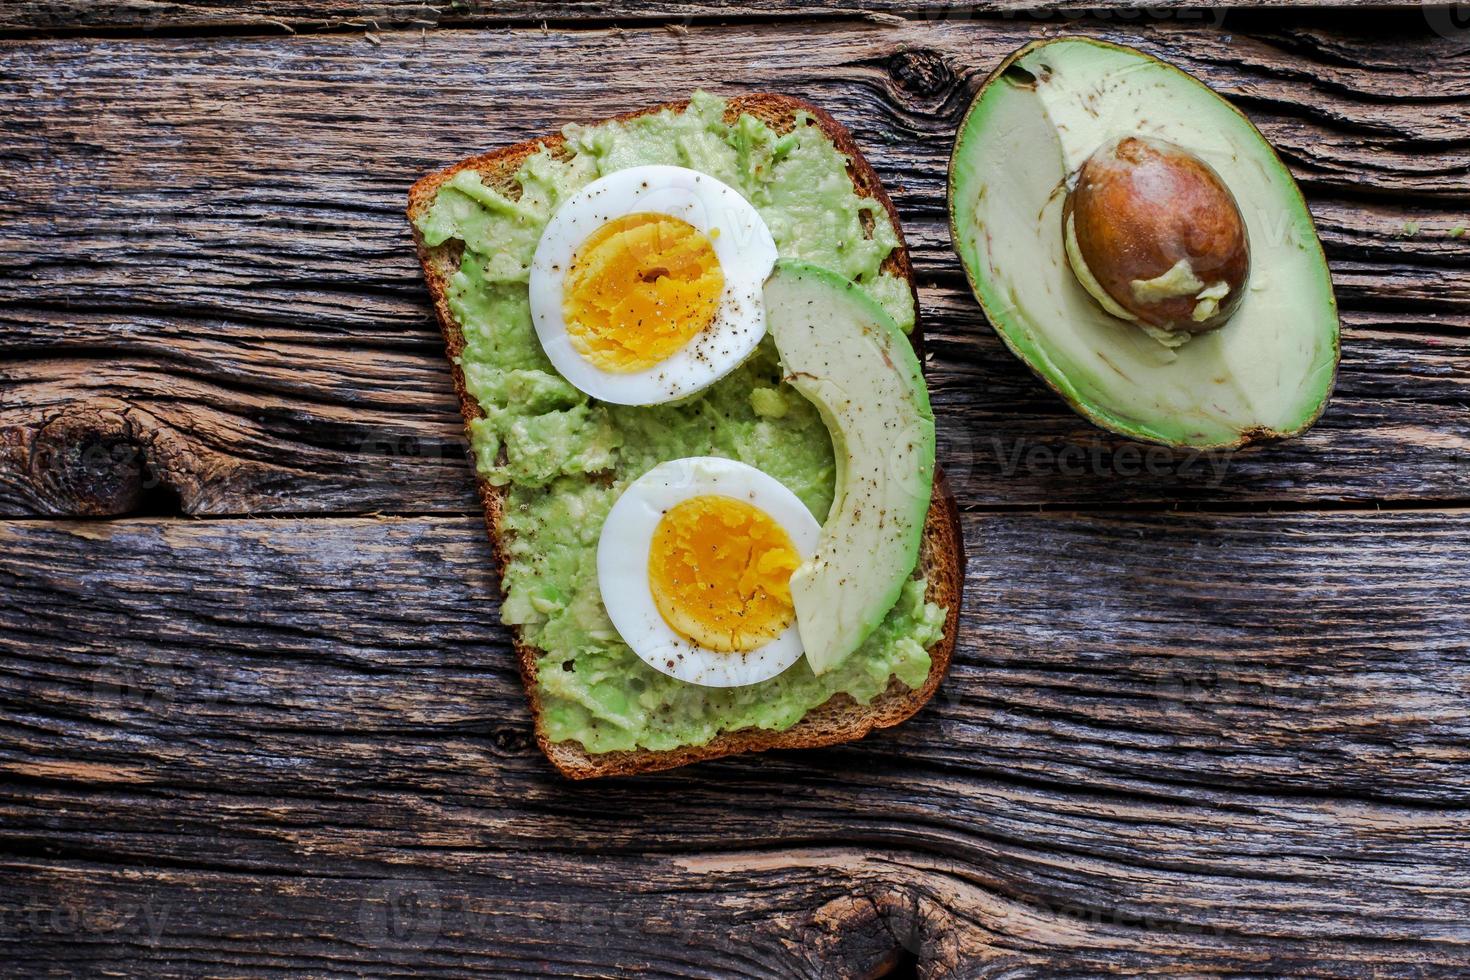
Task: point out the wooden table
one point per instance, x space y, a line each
257 716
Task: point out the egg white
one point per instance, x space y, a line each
622 567
742 244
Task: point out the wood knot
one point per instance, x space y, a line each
511 741
91 462
921 72
887 934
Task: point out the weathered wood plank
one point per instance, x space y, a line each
390 438
207 276
1238 744
803 912
288 16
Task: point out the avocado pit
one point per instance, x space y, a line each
1156 238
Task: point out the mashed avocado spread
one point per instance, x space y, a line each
564 458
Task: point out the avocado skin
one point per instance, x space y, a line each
1010 71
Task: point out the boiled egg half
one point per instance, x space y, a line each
646 284
694 564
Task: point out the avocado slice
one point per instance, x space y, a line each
850 359
1265 374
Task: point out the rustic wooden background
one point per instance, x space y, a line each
1208 715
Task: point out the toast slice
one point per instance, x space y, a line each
942 558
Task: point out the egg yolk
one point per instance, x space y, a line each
640 288
720 572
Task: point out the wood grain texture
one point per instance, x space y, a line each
1226 748
1225 744
209 303
289 16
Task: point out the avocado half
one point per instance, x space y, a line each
1265 374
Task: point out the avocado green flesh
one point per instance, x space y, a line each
847 356
564 458
1267 372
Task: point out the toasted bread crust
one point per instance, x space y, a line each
942 558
